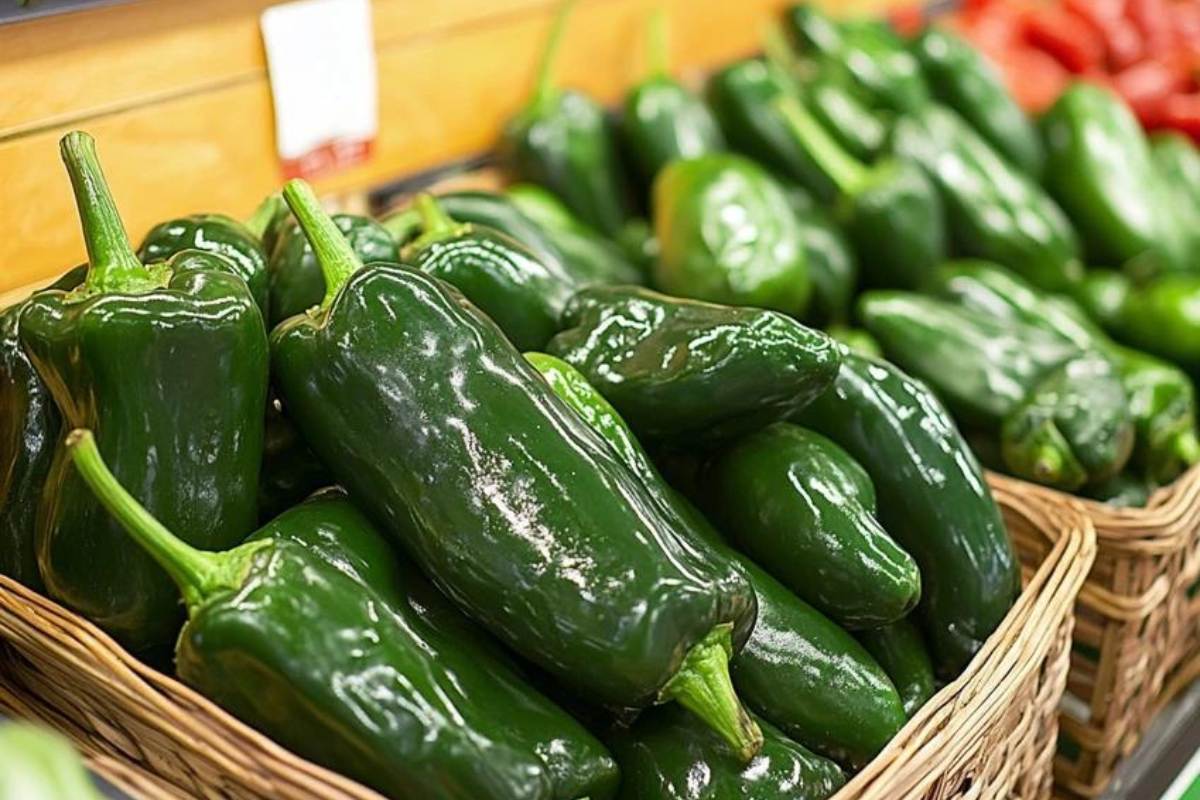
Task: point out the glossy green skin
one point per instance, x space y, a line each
502 277
38 764
567 145
160 377
686 371
932 498
212 233
993 210
788 498
1103 295
1163 318
334 650
742 98
290 472
593 258
901 652
1178 164
798 669
29 425
296 282
663 122
460 465
857 128
962 78
665 755
832 267
1099 168
727 234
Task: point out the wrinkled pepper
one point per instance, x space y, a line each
38 764
727 235
685 371
932 497
562 140
310 632
515 508
168 360
993 210
799 670
901 652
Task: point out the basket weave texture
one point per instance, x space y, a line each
989 734
1137 626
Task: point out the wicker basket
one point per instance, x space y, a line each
1137 626
989 734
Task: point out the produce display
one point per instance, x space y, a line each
656 474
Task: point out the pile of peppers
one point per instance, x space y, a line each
656 474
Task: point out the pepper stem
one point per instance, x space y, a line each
112 263
265 214
403 226
199 574
777 50
848 174
335 255
659 51
703 686
543 88
1186 447
436 224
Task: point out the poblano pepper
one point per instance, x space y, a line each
1178 163
665 756
932 497
295 278
38 764
562 140
515 508
832 267
1160 317
29 432
168 363
1099 168
859 130
686 371
799 670
901 652
727 235
1123 491
311 633
993 209
962 78
290 472
239 242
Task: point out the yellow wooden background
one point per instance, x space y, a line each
177 96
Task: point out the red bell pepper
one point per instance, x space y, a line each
1066 37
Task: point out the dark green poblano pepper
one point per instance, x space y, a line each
962 78
1099 168
799 669
726 234
38 764
832 267
993 209
663 120
901 652
684 371
237 241
1178 163
295 279
290 472
29 432
562 140
664 755
168 363
312 633
428 416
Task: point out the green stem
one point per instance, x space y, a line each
112 263
1186 447
660 61
198 574
436 224
848 174
265 214
703 686
543 88
778 52
403 226
335 255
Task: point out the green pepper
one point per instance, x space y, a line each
290 472
168 362
790 499
1122 491
901 651
310 632
798 669
239 242
993 210
687 371
1178 164
29 431
562 140
932 498
832 264
856 339
1099 167
664 121
963 79
593 257
1161 317
727 235
295 279
39 764
1103 295
858 129
665 756
515 508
